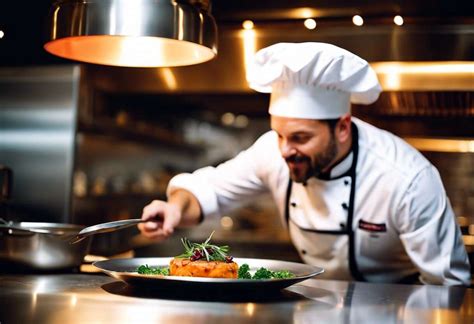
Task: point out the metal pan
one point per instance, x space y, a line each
37 246
125 270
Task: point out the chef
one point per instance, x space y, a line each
358 201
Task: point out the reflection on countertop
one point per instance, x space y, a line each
96 298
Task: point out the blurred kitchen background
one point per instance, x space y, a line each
90 144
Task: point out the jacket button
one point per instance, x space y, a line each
346 182
345 206
293 204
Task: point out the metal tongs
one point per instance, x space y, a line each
109 227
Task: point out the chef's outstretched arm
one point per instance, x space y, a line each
181 209
212 191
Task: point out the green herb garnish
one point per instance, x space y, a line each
284 274
145 269
210 252
263 273
243 272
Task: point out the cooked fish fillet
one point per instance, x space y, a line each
203 268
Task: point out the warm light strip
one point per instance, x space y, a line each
424 67
303 13
429 76
441 144
250 46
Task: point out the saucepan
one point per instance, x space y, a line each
40 246
27 246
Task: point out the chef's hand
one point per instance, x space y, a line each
182 208
163 216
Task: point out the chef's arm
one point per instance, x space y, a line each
429 232
191 213
181 209
212 191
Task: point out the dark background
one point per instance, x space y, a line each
25 22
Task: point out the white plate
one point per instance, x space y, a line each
125 270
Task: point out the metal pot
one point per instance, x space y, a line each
40 246
31 246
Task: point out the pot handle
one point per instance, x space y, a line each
7 230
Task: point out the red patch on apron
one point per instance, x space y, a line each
372 227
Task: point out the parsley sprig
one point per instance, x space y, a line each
145 269
206 250
263 273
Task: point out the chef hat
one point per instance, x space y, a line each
312 80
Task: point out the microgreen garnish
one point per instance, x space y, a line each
263 273
206 250
243 272
145 269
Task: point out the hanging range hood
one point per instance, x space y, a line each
133 33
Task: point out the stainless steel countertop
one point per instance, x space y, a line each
96 298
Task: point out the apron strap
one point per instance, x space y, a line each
287 202
356 274
350 213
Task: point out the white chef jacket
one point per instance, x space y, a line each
399 222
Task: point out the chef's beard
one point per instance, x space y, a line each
307 168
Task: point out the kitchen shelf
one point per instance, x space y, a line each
122 196
142 133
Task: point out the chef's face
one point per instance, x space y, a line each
308 146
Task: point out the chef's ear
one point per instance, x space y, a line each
343 128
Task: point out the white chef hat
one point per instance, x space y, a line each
312 80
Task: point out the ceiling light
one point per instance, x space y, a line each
357 20
2 34
133 33
398 20
310 23
241 121
228 118
247 24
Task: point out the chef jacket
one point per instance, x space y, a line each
380 215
